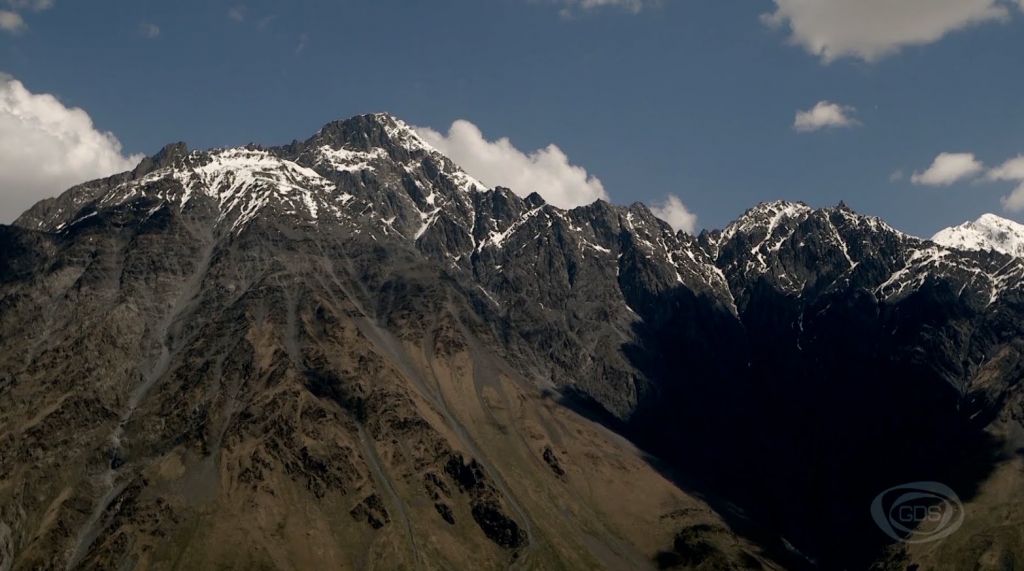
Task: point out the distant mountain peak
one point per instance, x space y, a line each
402 133
988 233
772 208
765 217
377 158
381 130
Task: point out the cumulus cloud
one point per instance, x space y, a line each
546 171
678 216
1012 170
872 29
46 147
823 115
11 22
948 168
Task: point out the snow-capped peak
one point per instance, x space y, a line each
989 232
766 216
402 134
364 157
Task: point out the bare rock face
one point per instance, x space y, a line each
347 353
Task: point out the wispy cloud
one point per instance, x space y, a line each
149 30
265 22
240 13
303 42
236 13
34 5
631 5
825 115
572 7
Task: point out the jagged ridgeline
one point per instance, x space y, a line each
348 353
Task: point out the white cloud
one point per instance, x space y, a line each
546 171
1014 202
11 22
872 29
948 168
1012 170
46 148
678 216
825 114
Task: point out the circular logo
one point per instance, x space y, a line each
918 512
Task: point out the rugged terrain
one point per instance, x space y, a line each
345 352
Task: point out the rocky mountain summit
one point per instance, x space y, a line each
346 352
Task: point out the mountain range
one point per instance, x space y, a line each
346 352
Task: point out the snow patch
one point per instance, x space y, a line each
345 160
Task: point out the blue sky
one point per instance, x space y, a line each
691 98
